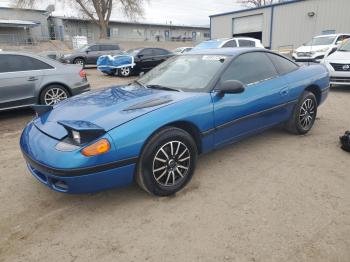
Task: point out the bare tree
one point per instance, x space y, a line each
258 3
98 11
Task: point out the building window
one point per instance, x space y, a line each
206 34
328 32
114 32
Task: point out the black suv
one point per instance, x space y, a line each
89 54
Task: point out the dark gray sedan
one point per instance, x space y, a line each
27 79
89 54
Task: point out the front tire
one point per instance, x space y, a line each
53 94
304 114
167 162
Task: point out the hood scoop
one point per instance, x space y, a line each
149 103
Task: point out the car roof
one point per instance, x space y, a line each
225 51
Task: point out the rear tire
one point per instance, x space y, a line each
124 71
53 94
79 61
304 115
167 162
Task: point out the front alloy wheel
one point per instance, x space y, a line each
167 162
307 114
171 163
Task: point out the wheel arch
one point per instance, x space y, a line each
316 90
187 126
51 84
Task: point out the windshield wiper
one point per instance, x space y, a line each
140 84
162 88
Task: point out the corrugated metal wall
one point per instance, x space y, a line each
292 26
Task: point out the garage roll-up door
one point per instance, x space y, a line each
247 24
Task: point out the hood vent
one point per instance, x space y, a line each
149 103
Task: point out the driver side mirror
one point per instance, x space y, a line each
231 87
87 51
140 56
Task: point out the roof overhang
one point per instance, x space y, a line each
17 23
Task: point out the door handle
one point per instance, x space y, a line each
284 91
32 78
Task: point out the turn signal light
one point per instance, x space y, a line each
100 147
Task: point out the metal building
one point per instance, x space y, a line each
65 28
21 26
284 25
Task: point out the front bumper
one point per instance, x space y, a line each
70 172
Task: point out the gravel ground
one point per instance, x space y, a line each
272 197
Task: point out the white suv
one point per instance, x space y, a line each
338 65
229 42
319 47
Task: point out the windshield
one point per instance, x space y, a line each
185 73
321 41
83 49
133 52
208 45
345 47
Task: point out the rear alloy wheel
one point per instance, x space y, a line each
125 71
304 114
52 95
79 61
167 162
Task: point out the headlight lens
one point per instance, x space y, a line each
76 137
100 147
323 49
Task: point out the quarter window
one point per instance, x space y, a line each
16 63
250 68
231 43
283 65
246 43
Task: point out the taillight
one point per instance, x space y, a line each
82 74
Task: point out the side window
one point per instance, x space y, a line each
159 52
94 48
342 38
231 43
250 68
109 47
283 65
15 63
246 43
146 52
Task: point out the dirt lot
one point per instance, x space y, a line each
273 197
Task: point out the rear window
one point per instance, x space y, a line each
16 63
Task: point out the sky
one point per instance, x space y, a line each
189 12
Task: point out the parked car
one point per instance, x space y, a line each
229 42
338 64
318 47
89 54
153 130
182 50
27 79
145 59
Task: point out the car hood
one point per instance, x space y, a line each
339 55
107 108
317 48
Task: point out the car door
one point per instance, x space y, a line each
260 106
20 76
145 57
159 56
93 54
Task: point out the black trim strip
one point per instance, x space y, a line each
77 171
235 121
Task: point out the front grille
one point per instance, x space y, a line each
341 67
340 79
304 54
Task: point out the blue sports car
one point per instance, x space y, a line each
153 130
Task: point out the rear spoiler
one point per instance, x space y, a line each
81 132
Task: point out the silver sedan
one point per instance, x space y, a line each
27 79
